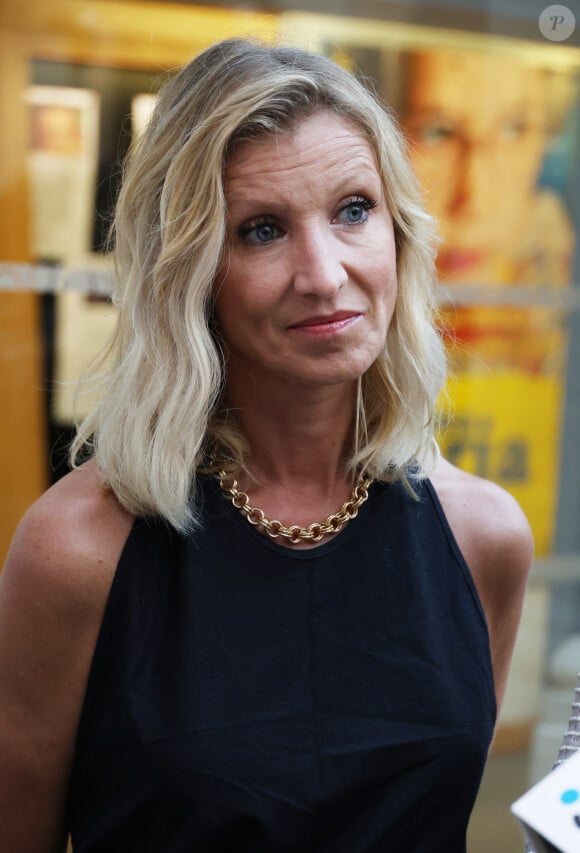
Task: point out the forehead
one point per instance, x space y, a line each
317 147
471 82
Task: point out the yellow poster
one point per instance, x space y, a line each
506 426
504 403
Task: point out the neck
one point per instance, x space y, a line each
296 435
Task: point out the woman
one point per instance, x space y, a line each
480 125
176 679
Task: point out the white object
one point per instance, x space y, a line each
549 813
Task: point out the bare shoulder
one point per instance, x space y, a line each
53 592
58 572
72 536
496 541
488 523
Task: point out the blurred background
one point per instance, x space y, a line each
487 94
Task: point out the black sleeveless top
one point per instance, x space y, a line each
245 697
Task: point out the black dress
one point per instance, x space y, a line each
245 697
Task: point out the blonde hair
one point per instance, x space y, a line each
161 412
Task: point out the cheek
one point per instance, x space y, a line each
523 177
386 296
221 305
241 304
391 302
229 307
231 289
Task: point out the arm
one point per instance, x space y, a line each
53 591
496 541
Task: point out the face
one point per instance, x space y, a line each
307 286
477 125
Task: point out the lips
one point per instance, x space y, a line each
328 320
458 260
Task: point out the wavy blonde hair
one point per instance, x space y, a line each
162 409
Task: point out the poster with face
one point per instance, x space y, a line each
484 131
493 133
480 126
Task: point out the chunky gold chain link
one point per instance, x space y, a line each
295 534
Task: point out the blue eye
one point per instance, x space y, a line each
260 232
265 232
356 211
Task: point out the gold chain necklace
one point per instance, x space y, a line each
295 534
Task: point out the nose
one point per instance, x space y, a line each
319 268
472 178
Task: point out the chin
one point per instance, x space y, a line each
349 372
